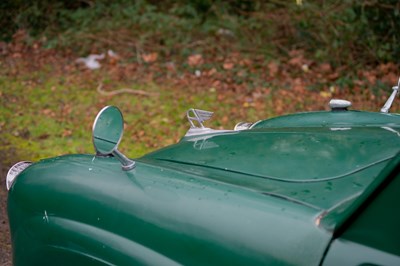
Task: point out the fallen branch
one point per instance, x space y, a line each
124 90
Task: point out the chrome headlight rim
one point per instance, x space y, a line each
14 171
243 126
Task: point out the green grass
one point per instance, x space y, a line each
52 118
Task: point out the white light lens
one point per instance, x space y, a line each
14 172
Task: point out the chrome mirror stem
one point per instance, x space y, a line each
389 102
127 164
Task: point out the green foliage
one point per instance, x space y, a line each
334 31
343 31
33 16
380 27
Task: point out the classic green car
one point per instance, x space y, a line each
318 188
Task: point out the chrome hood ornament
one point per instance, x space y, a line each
199 116
196 117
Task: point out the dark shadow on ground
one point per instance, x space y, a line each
5 241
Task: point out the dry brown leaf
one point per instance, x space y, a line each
385 68
370 76
273 69
195 60
296 61
228 65
211 72
48 112
333 76
245 62
390 78
150 58
67 133
325 68
325 94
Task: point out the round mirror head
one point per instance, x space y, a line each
107 130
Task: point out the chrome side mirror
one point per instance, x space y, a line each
108 128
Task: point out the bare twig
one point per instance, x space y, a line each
124 90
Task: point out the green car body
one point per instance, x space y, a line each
320 188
